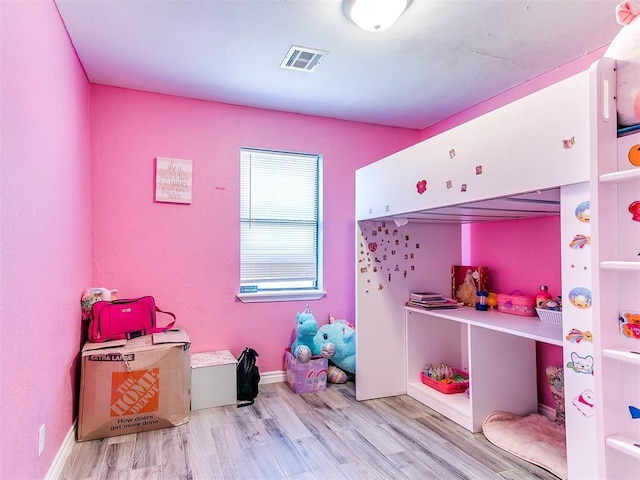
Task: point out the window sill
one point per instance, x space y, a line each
284 296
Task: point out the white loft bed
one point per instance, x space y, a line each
534 157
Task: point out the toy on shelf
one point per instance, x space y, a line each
624 49
444 379
306 329
92 295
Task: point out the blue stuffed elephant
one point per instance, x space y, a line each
337 342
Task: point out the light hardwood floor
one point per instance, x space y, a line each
321 436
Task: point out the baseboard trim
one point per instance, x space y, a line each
55 470
547 411
273 377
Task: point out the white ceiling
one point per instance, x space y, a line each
441 57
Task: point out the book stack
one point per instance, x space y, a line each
430 300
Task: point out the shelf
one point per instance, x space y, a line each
622 176
619 265
456 407
624 445
527 327
623 355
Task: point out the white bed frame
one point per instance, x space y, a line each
541 155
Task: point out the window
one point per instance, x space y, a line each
280 226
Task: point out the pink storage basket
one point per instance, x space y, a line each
517 304
306 377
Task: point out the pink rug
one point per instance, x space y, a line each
533 438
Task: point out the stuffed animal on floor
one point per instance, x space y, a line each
306 329
625 49
92 295
340 338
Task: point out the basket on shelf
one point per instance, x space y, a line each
456 387
552 317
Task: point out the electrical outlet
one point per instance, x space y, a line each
41 440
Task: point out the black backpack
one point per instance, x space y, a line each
248 377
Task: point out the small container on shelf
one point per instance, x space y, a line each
553 317
456 381
542 296
517 303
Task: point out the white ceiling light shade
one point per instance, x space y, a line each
376 15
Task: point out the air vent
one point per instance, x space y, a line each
303 59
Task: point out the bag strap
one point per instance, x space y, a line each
166 327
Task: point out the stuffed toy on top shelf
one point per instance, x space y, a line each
625 50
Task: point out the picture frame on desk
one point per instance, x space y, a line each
480 277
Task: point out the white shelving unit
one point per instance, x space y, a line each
616 283
557 144
496 349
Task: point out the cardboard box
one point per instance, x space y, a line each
306 377
135 385
213 379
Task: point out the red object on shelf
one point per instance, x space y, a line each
446 388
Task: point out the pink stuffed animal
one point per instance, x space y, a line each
625 49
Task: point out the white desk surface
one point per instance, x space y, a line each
528 327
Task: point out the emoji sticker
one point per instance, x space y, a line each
568 143
580 241
581 364
585 403
583 212
630 324
634 208
421 186
580 297
634 155
577 336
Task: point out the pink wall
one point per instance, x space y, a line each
187 256
521 255
184 255
45 239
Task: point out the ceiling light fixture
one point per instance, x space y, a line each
375 15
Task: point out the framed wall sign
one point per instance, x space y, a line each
174 179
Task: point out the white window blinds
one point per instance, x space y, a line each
279 220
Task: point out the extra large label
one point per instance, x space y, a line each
134 392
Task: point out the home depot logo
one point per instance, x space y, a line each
134 392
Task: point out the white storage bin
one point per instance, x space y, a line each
213 379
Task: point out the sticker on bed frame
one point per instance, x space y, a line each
634 411
568 143
630 324
449 184
421 186
583 212
452 153
634 209
581 364
463 187
580 297
634 155
479 170
576 335
585 403
580 241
